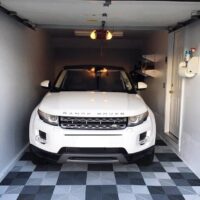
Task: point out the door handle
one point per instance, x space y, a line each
171 91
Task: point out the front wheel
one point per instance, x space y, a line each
142 158
36 160
148 158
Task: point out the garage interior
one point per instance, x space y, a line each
38 38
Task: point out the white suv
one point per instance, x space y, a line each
92 114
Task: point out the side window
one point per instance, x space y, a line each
126 81
60 79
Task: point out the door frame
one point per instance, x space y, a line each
171 41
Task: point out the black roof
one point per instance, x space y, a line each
95 66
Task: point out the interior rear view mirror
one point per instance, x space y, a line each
45 84
141 86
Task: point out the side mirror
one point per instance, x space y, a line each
141 86
45 84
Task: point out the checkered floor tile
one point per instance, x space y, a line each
167 178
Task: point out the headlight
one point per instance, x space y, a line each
49 119
138 119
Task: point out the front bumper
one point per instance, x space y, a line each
58 138
91 155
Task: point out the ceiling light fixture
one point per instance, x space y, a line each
101 34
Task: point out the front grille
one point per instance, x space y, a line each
93 123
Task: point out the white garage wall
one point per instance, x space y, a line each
190 139
24 62
154 95
116 57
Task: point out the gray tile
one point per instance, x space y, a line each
184 169
101 192
16 169
171 190
74 167
179 164
167 182
50 178
34 181
126 167
135 181
21 163
186 190
162 149
72 178
143 197
171 169
62 189
16 189
163 197
28 167
49 181
40 175
155 159
148 175
167 164
100 178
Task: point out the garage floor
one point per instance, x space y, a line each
168 178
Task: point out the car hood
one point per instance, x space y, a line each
93 104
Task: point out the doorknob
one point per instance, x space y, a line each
171 91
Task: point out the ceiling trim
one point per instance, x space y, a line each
124 28
156 0
15 16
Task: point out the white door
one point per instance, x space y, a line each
176 84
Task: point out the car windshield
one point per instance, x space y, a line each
93 79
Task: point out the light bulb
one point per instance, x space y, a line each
93 35
108 35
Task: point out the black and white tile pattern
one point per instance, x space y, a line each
168 178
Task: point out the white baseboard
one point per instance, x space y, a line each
12 163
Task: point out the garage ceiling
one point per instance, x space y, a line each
125 15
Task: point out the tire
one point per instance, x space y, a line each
37 160
147 159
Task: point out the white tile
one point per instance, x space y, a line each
196 189
152 182
9 197
3 188
162 175
191 197
124 189
140 189
126 197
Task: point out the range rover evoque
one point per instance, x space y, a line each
92 114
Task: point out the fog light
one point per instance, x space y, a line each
41 138
42 135
143 138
